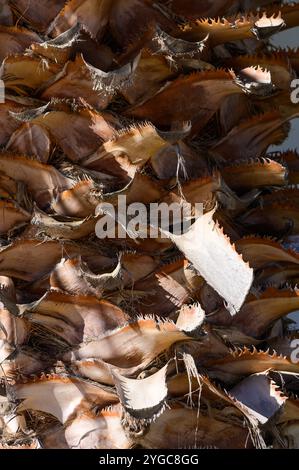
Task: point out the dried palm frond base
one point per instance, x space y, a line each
176 342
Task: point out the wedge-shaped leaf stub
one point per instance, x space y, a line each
31 139
92 14
162 43
256 80
135 345
75 318
191 318
30 259
245 362
250 174
43 180
60 48
260 312
266 26
145 398
97 431
81 79
139 144
182 428
12 216
14 40
16 364
260 251
212 254
70 395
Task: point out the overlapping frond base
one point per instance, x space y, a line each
171 341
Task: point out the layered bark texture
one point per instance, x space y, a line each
172 341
